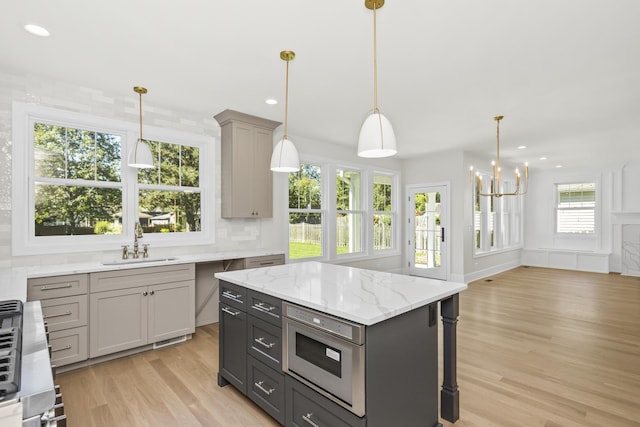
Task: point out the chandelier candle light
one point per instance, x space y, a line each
496 172
285 156
376 135
140 155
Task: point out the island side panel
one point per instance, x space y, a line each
450 396
402 370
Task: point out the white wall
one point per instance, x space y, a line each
230 234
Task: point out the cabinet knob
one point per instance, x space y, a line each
152 292
145 293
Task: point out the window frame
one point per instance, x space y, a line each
596 208
512 225
24 240
329 211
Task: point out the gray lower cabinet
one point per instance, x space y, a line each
265 386
136 307
65 308
250 346
306 408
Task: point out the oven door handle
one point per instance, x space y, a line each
307 418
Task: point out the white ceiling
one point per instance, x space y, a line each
564 73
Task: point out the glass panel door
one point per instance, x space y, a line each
427 238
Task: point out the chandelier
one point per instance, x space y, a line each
496 173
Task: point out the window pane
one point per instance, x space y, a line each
68 153
176 165
72 210
304 188
348 233
347 190
576 208
381 193
576 221
305 235
382 232
169 211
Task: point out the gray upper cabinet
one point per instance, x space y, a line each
246 177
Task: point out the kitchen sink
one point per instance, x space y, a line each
138 260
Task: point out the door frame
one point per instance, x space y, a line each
410 228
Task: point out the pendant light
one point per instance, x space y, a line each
376 135
496 172
140 155
285 156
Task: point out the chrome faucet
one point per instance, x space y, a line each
137 234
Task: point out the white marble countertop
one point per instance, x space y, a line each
13 281
362 296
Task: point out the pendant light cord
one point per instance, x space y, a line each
140 116
286 103
375 62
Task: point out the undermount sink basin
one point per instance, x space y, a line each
138 260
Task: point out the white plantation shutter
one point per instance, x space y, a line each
576 208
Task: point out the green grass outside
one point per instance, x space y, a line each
308 250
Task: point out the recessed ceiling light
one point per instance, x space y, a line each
522 147
558 166
271 101
543 158
37 30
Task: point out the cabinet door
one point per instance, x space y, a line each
233 347
118 320
243 171
171 310
262 185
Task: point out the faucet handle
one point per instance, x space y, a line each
125 251
145 250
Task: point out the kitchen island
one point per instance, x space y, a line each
272 318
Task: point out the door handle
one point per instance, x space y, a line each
442 233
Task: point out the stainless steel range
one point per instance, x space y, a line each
26 376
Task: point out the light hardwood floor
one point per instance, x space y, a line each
536 347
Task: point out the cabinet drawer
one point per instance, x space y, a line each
65 313
307 408
265 342
264 307
263 261
233 295
265 386
141 276
56 286
68 346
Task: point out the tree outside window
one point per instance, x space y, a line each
305 212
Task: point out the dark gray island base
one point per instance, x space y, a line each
400 383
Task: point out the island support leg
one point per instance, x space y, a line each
449 395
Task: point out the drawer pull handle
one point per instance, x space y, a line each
267 263
230 295
307 418
233 313
264 390
54 287
260 306
262 343
68 313
67 347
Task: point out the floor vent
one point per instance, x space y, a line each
488 280
170 341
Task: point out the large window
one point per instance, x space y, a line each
348 212
497 221
305 212
77 194
383 212
576 208
348 216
